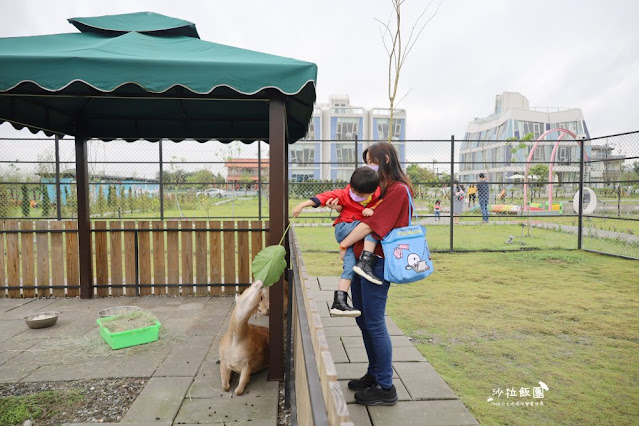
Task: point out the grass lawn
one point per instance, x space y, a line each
489 321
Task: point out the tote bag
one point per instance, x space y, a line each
406 254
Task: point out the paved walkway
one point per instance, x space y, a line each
424 397
184 377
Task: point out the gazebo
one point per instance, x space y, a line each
148 76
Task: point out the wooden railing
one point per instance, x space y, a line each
188 257
319 400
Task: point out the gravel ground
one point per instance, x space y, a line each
105 400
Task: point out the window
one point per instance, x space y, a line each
382 129
347 130
345 153
301 177
310 135
302 155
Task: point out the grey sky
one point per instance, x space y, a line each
565 53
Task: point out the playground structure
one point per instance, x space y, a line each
528 208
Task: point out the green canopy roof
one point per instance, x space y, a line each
148 76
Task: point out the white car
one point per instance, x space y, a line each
212 192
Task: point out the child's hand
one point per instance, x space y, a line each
333 204
367 212
297 210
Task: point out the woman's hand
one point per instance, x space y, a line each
333 203
342 252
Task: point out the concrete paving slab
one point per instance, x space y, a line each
393 330
422 381
193 303
337 349
159 401
229 410
182 362
328 283
7 304
358 414
88 370
354 370
349 395
352 330
422 413
11 374
323 310
338 322
358 342
313 283
323 296
407 353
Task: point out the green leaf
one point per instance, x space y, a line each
269 264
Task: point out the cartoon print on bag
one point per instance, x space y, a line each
416 263
398 252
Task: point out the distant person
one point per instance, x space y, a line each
459 193
472 194
437 209
483 192
502 196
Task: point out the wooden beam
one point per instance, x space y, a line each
84 218
277 217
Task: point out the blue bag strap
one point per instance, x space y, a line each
411 207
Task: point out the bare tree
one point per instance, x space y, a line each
399 50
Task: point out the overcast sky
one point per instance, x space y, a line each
561 53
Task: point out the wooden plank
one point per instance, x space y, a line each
229 256
187 257
215 257
101 258
3 252
57 258
129 257
72 258
256 238
42 258
27 255
201 273
159 275
116 257
243 258
144 254
13 259
338 409
173 257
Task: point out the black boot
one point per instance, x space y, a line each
340 306
375 395
365 265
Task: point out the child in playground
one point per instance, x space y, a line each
357 200
437 208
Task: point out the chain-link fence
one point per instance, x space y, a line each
529 191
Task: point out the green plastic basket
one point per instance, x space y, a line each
127 338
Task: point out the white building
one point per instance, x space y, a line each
329 151
487 147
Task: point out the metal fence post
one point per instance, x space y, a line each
452 188
58 196
161 193
580 230
355 150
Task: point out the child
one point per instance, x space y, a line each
437 208
358 199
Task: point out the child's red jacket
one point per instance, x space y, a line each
351 210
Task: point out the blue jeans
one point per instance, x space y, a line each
370 299
484 211
437 213
342 230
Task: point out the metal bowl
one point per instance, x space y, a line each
118 310
41 319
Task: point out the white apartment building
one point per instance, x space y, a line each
330 151
487 150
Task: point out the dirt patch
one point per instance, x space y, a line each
101 400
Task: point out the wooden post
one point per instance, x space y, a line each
84 218
277 217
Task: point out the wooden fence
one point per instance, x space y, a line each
187 257
319 399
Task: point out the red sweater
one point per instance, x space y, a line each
351 210
392 213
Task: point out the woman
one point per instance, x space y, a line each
458 200
376 386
